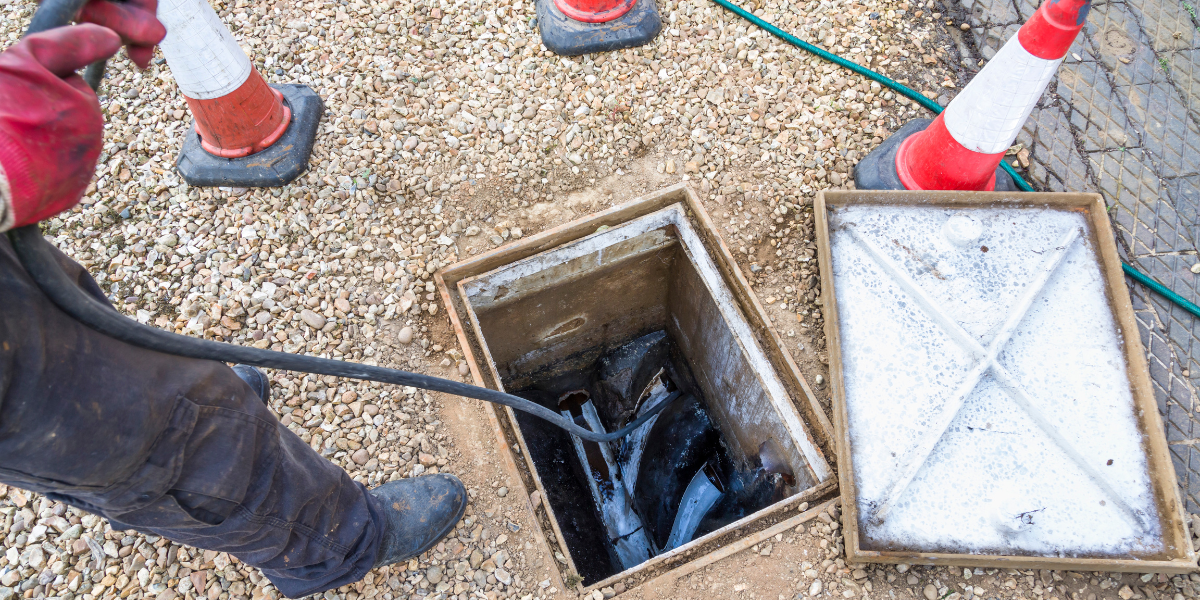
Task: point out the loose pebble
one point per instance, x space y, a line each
312 319
405 336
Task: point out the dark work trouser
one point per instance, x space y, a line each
177 447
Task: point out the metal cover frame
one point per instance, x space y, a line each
731 538
1180 557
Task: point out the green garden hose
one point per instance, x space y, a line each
902 89
919 98
1160 289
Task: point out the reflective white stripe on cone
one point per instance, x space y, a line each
205 60
987 116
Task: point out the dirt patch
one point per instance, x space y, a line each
1114 42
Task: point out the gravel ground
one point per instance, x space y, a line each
450 131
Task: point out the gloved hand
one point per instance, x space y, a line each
51 127
133 20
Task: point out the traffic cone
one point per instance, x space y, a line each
962 148
246 133
574 27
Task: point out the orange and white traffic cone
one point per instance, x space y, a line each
237 115
962 148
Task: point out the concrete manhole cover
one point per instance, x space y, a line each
1044 445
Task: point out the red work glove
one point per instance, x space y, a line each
51 128
133 20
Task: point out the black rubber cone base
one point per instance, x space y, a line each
567 37
276 166
877 170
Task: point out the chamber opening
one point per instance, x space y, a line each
607 326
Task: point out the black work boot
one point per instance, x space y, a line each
420 512
257 380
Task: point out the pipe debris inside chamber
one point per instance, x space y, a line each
670 481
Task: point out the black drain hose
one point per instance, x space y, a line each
38 258
57 13
54 13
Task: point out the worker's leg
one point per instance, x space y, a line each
178 447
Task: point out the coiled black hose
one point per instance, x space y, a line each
36 255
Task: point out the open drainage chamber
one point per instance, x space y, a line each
604 327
